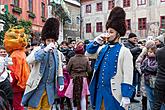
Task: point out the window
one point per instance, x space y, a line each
128 24
31 5
99 7
126 3
88 28
16 3
141 2
78 20
162 0
88 8
142 23
43 9
111 4
99 27
162 22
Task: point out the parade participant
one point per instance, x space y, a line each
41 88
78 67
111 85
15 41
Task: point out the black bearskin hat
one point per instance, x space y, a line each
50 29
116 20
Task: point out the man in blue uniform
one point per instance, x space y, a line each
111 85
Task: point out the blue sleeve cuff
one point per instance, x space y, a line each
127 90
60 80
39 55
92 47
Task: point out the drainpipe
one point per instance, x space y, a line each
81 37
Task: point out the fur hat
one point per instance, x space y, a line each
50 29
116 20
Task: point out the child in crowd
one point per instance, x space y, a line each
141 57
149 69
78 66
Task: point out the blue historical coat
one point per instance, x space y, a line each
113 75
43 76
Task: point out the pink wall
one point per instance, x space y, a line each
37 22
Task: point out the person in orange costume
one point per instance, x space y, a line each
15 41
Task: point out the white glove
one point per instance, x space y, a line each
99 39
51 46
61 87
125 101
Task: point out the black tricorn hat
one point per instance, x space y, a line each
116 20
50 29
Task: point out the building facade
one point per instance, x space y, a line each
72 26
37 11
143 17
33 10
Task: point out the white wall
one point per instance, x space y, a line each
152 10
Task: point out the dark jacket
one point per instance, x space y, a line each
68 53
160 56
5 86
149 69
160 45
135 50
